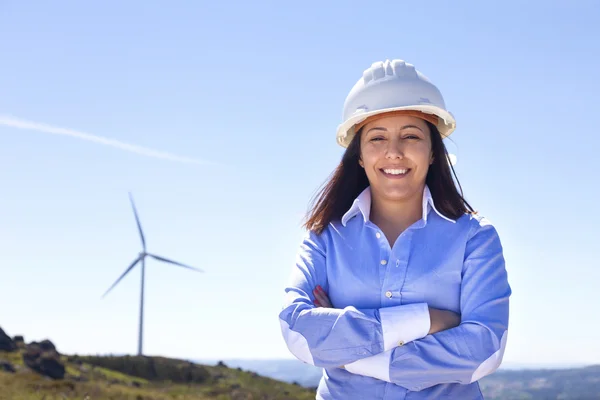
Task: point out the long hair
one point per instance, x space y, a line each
349 179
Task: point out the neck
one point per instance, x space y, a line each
392 216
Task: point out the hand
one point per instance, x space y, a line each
442 320
321 298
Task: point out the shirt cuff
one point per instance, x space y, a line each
403 324
377 366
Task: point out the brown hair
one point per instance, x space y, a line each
349 179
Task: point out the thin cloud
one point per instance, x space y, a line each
132 148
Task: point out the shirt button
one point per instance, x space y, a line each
401 343
388 294
378 235
383 262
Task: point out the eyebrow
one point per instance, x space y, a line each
381 128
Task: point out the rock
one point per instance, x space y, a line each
6 366
6 343
19 341
47 345
221 364
46 363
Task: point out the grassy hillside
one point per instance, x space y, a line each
138 378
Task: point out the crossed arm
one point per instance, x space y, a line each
364 341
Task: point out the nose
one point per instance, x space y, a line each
395 149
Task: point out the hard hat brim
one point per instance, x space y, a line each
345 131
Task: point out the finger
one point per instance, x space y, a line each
319 297
326 300
322 296
316 303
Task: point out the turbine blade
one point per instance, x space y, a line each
137 220
123 275
159 258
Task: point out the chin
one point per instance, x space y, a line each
395 196
400 193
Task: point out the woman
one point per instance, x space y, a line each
399 290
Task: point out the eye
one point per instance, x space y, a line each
412 137
377 138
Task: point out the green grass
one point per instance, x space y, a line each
86 381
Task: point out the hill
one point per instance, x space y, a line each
38 371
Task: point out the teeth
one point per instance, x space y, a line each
395 171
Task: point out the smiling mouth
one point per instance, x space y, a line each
395 172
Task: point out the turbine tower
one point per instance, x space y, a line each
141 258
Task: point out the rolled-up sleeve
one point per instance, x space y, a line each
468 352
327 337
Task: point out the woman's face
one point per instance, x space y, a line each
396 155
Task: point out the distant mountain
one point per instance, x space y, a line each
512 381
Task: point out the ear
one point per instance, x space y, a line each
360 162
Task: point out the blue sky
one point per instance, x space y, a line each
256 91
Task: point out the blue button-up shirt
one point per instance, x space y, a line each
375 344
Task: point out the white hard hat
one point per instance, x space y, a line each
392 86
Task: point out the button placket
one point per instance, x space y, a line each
395 277
401 256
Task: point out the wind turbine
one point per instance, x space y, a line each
141 258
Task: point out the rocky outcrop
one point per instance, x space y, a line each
6 366
47 345
6 343
19 341
44 359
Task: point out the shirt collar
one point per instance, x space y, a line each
362 204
